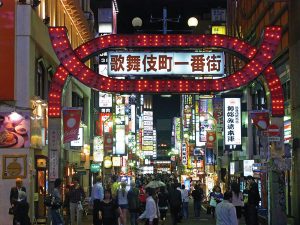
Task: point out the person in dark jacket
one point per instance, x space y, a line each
14 193
57 203
253 202
197 196
133 203
175 203
163 204
21 210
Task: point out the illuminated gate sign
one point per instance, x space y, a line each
232 115
165 63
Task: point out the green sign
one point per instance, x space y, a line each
95 168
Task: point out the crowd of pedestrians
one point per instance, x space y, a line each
114 203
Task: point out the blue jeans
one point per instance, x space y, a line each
185 210
197 208
56 217
133 218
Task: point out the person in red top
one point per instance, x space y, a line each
142 198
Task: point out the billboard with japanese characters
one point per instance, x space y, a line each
232 121
165 63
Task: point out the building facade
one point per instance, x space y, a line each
28 67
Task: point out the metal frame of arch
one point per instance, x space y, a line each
72 62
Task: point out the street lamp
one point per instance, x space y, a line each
137 22
193 22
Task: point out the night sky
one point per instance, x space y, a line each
128 9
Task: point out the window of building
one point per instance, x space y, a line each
286 90
78 101
40 80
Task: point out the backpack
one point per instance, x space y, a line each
48 200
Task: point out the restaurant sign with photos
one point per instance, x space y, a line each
14 130
14 166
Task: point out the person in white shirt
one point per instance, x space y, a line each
96 197
225 211
151 213
185 202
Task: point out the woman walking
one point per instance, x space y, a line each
76 197
215 197
109 210
237 199
123 201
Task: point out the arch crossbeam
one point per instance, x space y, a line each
72 63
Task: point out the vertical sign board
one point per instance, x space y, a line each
178 135
120 140
7 50
232 122
218 115
184 158
54 147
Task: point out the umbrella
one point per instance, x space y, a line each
155 184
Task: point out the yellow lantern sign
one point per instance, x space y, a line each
107 162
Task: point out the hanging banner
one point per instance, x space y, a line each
260 118
232 116
71 123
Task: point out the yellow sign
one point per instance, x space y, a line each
147 148
116 161
218 30
107 162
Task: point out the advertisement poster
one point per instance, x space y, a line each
14 130
71 123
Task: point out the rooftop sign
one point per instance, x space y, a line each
165 63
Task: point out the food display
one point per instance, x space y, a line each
14 130
7 139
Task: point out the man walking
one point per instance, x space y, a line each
133 203
96 198
225 211
175 201
197 196
185 202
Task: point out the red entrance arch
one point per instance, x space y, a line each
72 63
